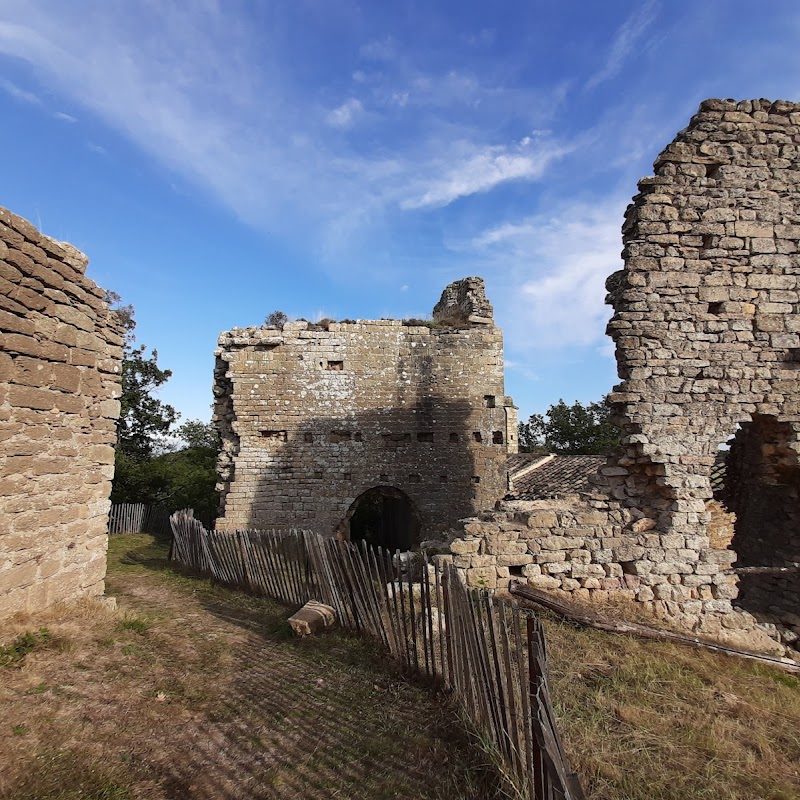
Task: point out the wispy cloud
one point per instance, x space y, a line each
625 40
23 96
345 115
484 170
552 268
64 117
379 49
172 83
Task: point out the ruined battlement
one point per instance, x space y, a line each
464 302
313 417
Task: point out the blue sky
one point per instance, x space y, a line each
220 159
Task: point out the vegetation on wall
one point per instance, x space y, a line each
156 463
572 430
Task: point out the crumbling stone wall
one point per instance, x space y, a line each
60 349
311 418
707 339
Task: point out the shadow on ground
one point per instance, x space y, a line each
204 693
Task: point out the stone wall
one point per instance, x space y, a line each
60 349
313 417
707 336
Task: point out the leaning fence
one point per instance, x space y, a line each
490 653
139 518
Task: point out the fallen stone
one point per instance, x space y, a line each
312 618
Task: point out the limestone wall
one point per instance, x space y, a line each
707 335
59 379
311 418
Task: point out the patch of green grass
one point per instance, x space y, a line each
40 689
133 623
19 730
13 655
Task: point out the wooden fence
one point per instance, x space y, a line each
139 518
488 652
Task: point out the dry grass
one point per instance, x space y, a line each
654 721
194 691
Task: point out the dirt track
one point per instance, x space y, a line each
191 691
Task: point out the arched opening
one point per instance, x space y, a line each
383 517
762 488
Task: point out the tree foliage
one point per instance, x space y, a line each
575 429
148 468
143 417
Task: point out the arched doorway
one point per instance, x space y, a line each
383 517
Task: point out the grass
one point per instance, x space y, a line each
13 655
655 721
191 690
195 691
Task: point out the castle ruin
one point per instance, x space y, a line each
405 420
707 335
60 349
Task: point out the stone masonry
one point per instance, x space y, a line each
60 349
707 335
314 416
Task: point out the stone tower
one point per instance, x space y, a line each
316 418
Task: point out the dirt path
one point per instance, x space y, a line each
192 691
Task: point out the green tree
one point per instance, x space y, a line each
143 419
575 429
198 434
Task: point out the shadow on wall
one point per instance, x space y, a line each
762 488
420 469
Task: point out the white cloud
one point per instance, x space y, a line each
552 270
482 171
344 116
17 93
64 117
172 83
379 50
625 40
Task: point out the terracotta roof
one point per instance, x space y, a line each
519 462
551 476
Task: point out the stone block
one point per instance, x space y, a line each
541 519
464 546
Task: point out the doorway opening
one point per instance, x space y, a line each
762 488
382 517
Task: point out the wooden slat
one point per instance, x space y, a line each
480 654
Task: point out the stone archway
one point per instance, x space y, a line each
383 516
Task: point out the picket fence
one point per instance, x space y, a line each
490 653
139 518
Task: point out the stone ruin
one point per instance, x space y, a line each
376 427
707 335
60 349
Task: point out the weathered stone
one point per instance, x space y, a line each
57 412
314 418
312 618
707 339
